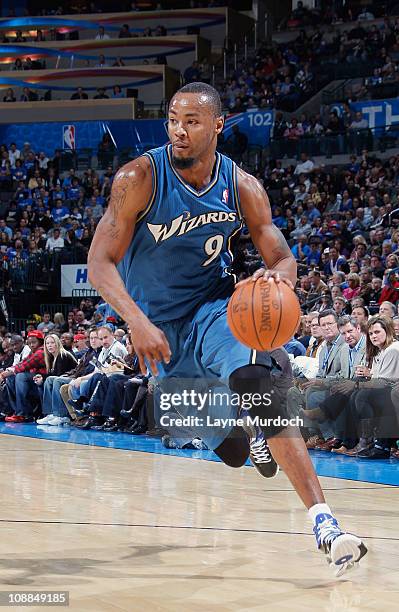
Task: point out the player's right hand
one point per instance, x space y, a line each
150 344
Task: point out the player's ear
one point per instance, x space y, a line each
219 125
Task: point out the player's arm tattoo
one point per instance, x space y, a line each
279 247
117 202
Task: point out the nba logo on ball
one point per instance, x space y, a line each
68 140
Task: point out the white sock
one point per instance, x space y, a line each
318 509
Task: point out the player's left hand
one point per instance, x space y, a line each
277 275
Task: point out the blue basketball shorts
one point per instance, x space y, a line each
204 355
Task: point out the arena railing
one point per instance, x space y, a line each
345 143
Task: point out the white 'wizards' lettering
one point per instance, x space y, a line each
178 226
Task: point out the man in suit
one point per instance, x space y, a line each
332 408
312 392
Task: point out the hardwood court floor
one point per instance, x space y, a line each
145 532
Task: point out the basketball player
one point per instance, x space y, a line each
171 218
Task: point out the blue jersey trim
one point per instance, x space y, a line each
236 191
189 187
154 188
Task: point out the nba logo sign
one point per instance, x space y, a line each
68 137
225 196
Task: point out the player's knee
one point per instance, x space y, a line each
261 397
250 379
234 450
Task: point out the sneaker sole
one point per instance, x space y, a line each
346 551
263 474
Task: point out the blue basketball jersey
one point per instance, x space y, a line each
180 255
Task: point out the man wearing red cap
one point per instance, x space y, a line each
80 346
20 385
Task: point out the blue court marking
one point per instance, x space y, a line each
326 464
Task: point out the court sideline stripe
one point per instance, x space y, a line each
230 529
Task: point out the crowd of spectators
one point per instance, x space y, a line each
52 35
43 211
82 7
285 75
332 13
65 371
81 372
342 224
29 95
328 133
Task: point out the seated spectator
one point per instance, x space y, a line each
124 32
101 95
387 309
46 325
22 391
79 344
354 286
18 64
358 133
83 388
337 406
58 362
117 397
305 165
301 249
67 341
292 134
54 406
102 35
340 304
13 153
313 392
335 261
80 318
9 96
55 241
59 323
316 338
361 315
28 95
373 410
102 63
117 92
390 290
79 94
19 349
318 286
304 228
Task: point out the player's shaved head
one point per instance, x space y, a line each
207 96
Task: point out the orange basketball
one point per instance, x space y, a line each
263 315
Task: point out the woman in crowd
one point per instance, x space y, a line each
58 361
353 290
59 321
372 406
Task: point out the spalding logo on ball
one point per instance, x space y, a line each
263 314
